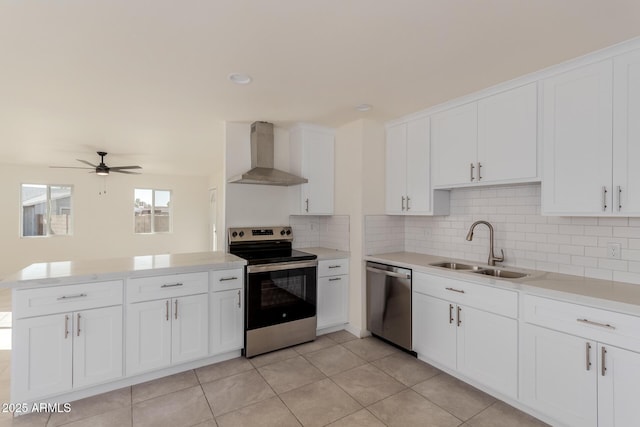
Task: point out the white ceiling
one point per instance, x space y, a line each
146 80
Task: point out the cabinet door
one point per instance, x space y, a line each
418 182
507 135
190 328
97 345
434 329
577 141
226 325
396 169
42 356
454 137
317 167
333 299
555 378
626 134
148 336
619 387
488 349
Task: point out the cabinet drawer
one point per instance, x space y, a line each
499 301
223 280
334 267
593 323
174 285
59 299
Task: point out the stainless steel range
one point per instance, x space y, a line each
280 288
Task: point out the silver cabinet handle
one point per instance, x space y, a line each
459 319
619 198
603 354
604 199
450 313
389 273
460 291
479 171
334 266
66 326
306 205
71 296
333 279
238 299
172 285
402 203
224 279
167 307
176 312
591 322
408 200
588 351
78 322
471 171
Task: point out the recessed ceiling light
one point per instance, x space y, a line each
364 107
240 79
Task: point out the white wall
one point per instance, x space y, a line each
103 224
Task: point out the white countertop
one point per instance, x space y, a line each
617 296
325 253
62 272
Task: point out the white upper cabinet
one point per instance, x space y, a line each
577 140
408 185
311 156
493 140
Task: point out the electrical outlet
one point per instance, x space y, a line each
613 250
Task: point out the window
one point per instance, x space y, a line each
152 211
46 210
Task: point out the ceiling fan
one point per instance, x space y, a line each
102 168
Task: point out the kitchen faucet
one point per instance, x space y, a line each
492 257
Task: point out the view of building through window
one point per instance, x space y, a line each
152 211
46 210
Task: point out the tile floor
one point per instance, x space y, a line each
337 380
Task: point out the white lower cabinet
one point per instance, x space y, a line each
60 352
226 320
333 293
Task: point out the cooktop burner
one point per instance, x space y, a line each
265 245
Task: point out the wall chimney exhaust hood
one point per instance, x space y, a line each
262 171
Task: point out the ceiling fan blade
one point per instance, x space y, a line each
87 163
116 168
127 172
68 167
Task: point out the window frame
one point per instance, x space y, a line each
48 233
153 209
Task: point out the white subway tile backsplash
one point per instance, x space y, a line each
325 231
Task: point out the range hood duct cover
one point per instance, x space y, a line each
262 171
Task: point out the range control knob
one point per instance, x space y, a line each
288 232
282 232
234 234
242 234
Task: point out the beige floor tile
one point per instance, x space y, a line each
362 418
28 420
333 360
119 417
237 391
408 408
319 403
289 374
367 384
406 368
223 369
370 348
186 407
209 423
341 336
92 406
274 356
502 415
163 386
455 396
320 343
270 412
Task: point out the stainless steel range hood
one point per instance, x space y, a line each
262 171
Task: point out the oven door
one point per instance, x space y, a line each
279 293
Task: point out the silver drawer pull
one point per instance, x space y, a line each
224 279
71 296
334 266
591 322
172 285
335 278
460 291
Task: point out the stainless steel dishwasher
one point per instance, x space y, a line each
389 303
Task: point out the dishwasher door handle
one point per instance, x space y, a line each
389 273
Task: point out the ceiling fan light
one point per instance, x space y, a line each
102 173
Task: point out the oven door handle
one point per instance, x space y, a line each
261 268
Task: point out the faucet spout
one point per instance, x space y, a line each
492 258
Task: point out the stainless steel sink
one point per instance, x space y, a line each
501 273
454 266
